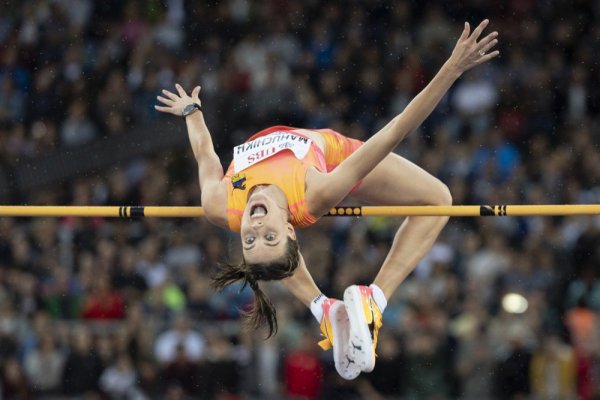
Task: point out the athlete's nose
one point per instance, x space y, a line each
256 223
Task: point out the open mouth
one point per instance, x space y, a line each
258 210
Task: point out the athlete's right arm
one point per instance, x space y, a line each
210 171
301 284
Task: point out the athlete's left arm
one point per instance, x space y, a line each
327 190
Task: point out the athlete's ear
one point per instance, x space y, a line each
291 231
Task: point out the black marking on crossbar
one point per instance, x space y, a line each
486 211
136 212
131 212
493 211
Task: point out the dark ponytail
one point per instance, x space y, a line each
262 312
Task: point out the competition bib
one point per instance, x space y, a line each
249 153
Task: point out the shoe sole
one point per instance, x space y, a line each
360 335
346 367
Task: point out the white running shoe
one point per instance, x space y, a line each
365 320
336 329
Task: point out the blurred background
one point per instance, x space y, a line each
502 308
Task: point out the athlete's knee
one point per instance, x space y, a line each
438 195
441 195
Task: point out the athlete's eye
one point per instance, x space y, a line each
270 236
249 239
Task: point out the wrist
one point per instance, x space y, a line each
451 69
197 116
191 109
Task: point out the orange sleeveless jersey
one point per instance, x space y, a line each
286 172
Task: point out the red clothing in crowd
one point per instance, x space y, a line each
105 306
303 375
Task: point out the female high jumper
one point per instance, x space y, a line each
283 177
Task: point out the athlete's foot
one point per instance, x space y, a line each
365 320
336 329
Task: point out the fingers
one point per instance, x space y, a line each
483 42
196 91
180 90
479 29
488 46
465 33
164 109
165 101
170 95
488 57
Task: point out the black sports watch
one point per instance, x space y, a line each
190 109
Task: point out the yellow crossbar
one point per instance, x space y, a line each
356 211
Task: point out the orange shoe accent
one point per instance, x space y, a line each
326 327
372 313
336 330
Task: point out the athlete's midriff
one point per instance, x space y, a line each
287 172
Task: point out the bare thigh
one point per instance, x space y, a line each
397 181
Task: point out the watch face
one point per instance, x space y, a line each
190 108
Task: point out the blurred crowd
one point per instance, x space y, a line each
101 309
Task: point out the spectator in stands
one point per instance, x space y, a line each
44 366
83 367
553 370
103 303
303 370
77 129
118 380
181 337
14 384
184 373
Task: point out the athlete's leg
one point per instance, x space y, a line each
394 181
397 181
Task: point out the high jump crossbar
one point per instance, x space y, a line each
352 211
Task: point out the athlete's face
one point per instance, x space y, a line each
264 229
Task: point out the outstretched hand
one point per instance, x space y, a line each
469 52
175 102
